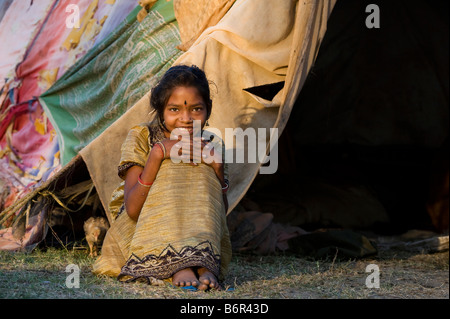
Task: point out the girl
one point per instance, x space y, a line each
170 216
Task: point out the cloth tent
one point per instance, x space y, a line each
231 43
87 131
258 54
30 152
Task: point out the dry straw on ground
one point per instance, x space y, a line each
404 275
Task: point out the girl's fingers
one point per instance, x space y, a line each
194 150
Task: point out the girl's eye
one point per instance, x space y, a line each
173 109
198 109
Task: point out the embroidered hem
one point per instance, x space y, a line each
170 261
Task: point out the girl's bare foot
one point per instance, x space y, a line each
207 279
185 277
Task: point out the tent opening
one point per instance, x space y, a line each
366 144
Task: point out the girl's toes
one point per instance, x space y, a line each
203 286
207 279
214 285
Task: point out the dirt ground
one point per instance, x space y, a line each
402 275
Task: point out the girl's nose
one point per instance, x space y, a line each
186 117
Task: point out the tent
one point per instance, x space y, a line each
70 95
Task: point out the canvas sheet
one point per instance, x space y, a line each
4 5
32 136
111 78
119 12
50 57
29 150
18 28
25 137
195 16
252 45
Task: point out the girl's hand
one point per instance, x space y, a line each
210 155
200 150
173 149
191 149
164 151
206 154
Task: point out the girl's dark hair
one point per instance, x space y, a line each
179 75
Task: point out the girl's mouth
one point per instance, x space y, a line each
190 130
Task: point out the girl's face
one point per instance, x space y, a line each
184 106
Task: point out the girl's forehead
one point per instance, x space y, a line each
189 94
178 90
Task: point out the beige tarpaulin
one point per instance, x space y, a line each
195 16
255 43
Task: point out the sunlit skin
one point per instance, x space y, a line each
184 106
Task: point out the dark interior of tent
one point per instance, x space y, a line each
366 144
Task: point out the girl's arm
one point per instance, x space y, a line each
135 194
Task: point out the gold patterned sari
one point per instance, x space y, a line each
182 222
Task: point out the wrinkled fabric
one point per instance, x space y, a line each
118 13
261 44
333 243
255 232
196 16
18 28
29 148
4 5
276 44
111 78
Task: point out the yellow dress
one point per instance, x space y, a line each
182 223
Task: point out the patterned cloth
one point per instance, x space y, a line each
112 77
182 223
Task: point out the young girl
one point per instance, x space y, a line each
170 216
